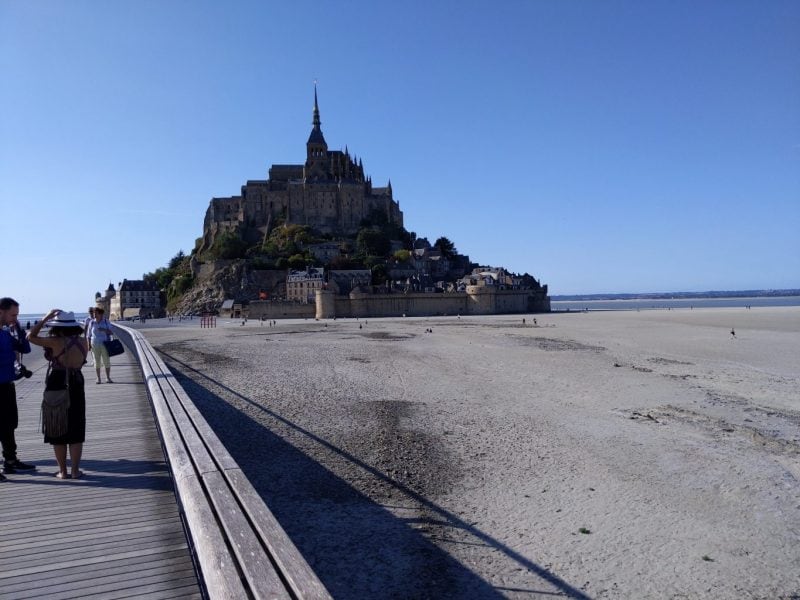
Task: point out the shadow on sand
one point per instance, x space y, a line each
357 547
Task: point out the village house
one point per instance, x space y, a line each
136 298
301 285
488 276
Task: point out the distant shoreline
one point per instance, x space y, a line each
677 295
623 304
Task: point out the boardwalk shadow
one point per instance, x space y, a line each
122 474
358 548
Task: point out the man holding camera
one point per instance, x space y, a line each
12 341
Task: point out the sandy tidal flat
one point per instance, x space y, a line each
642 454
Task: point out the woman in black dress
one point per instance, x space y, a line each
66 348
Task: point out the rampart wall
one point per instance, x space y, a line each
280 310
477 300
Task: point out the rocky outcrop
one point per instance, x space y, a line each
210 291
229 279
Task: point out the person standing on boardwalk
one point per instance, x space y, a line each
87 322
12 341
100 332
66 349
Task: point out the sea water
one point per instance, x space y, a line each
673 303
23 319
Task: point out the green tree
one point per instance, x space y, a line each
228 246
163 276
376 218
373 242
379 274
402 255
343 263
446 247
259 263
179 286
297 261
176 260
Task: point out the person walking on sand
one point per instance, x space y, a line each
100 332
66 349
733 333
12 341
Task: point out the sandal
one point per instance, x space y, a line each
61 475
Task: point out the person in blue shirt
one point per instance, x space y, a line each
12 341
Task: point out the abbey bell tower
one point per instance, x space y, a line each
316 167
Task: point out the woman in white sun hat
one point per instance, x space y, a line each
66 349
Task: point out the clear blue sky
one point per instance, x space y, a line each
599 146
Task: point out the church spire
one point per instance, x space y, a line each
318 163
316 138
316 122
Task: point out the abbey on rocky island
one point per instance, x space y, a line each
329 193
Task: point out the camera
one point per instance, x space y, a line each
22 371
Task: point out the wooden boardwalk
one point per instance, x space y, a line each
116 533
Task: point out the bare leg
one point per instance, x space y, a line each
75 451
98 372
61 459
108 374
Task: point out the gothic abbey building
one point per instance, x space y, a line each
329 193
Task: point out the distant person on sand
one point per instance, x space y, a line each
733 333
66 349
100 331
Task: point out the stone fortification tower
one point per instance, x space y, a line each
329 193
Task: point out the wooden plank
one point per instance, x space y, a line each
260 573
215 447
98 537
180 461
297 572
110 587
168 388
100 573
218 569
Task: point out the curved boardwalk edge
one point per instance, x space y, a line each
240 548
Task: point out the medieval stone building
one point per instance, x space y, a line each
329 193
